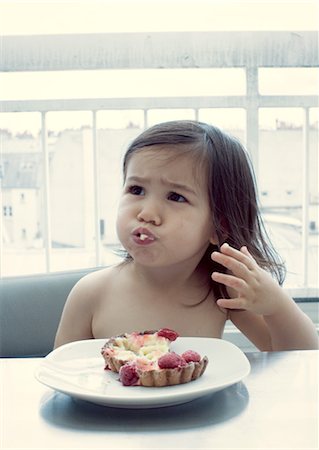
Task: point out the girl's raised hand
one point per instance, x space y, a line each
251 288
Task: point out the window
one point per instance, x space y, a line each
67 122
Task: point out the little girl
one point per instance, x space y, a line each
197 253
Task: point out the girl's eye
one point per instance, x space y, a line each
173 196
136 190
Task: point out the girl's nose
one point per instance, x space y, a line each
149 213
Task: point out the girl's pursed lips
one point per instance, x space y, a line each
144 234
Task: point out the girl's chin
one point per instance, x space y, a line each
146 260
153 261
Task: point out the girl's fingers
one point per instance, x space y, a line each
231 281
236 267
236 261
244 249
232 303
241 255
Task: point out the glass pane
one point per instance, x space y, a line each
121 83
281 186
314 167
313 181
71 189
22 194
120 119
232 120
289 81
162 115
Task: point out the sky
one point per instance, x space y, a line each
92 16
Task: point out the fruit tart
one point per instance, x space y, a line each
145 359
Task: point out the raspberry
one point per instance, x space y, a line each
170 360
128 375
167 333
191 356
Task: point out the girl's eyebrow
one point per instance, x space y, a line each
171 184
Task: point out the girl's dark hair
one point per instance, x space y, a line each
231 188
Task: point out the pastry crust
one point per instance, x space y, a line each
171 377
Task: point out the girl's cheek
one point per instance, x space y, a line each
120 222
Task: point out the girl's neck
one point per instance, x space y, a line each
169 279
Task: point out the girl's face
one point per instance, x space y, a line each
164 216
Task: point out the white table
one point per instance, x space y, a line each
276 406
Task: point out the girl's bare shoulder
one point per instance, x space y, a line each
99 279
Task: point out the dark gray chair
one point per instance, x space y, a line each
30 311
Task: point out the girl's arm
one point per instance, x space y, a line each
271 319
76 320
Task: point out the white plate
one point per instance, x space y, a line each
77 369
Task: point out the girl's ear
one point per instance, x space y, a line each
213 239
223 232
